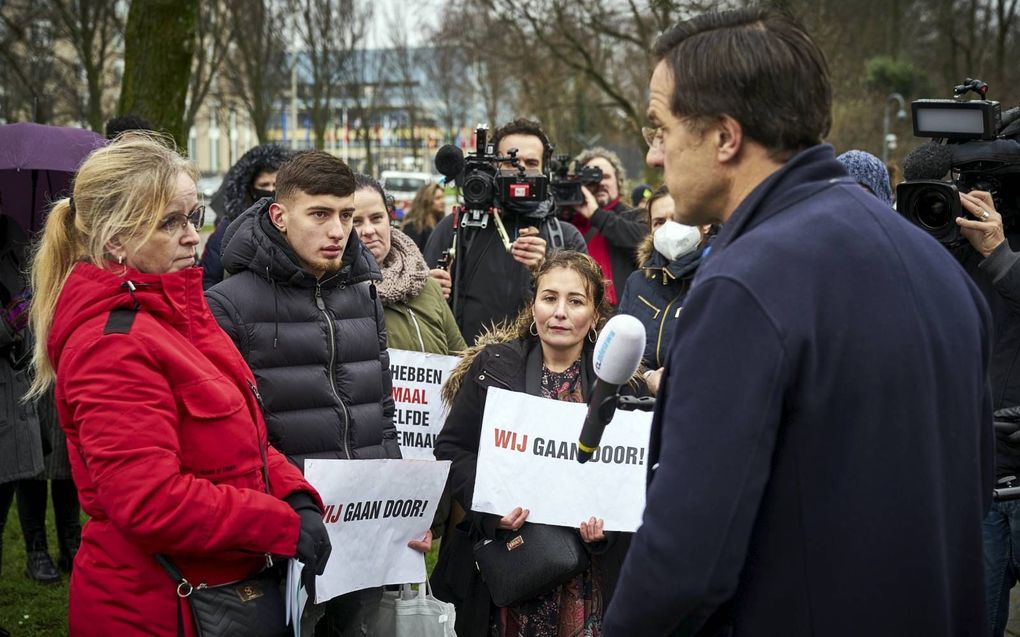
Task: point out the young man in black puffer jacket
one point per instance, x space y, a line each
302 308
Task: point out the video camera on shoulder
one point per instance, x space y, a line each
972 142
485 183
566 186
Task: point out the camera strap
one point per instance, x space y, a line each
555 233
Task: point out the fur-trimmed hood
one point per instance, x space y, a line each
493 335
233 195
656 266
506 333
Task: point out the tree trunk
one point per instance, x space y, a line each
95 103
159 42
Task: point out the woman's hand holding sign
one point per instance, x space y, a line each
513 520
423 545
591 531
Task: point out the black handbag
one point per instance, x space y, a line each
523 564
253 606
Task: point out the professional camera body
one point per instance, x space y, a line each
566 186
973 142
485 185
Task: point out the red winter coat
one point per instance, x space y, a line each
166 442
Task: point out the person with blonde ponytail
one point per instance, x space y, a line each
164 430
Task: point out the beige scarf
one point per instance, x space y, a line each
404 270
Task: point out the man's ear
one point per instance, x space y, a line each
729 139
277 215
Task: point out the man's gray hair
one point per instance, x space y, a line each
612 158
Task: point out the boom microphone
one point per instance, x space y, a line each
927 162
449 161
618 352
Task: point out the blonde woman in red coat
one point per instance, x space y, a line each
167 443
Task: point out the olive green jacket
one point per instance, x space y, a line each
423 323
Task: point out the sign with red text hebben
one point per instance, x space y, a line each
527 457
419 415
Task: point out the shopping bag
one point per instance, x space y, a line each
414 613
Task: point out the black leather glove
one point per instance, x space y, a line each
1007 424
313 547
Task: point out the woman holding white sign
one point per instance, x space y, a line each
168 446
546 352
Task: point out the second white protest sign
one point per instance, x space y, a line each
418 380
527 457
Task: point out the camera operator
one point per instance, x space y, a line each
497 284
612 230
990 261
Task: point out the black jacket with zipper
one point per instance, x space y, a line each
515 365
655 294
316 347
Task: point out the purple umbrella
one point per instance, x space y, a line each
37 164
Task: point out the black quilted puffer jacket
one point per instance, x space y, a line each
316 347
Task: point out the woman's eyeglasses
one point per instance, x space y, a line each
174 224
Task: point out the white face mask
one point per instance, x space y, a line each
674 240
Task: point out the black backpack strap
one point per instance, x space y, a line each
120 321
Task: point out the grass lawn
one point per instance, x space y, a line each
28 609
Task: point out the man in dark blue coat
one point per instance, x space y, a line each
821 454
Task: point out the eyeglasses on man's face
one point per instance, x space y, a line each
177 223
653 136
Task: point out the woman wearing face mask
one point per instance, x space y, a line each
546 352
669 258
252 178
164 430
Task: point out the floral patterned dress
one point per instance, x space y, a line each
575 609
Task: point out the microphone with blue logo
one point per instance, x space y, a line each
617 357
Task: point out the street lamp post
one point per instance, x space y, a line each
889 139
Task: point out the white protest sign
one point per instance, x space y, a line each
527 457
417 384
373 509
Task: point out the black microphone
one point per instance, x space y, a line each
449 161
928 162
618 352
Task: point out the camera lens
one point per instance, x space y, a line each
477 189
932 210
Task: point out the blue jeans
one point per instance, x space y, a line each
1001 530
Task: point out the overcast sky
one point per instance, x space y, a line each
419 16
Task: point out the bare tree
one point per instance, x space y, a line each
214 34
365 80
258 65
330 31
93 28
33 77
448 85
405 70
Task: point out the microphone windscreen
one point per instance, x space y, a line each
619 348
930 161
449 161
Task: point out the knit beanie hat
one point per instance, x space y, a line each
869 171
640 194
